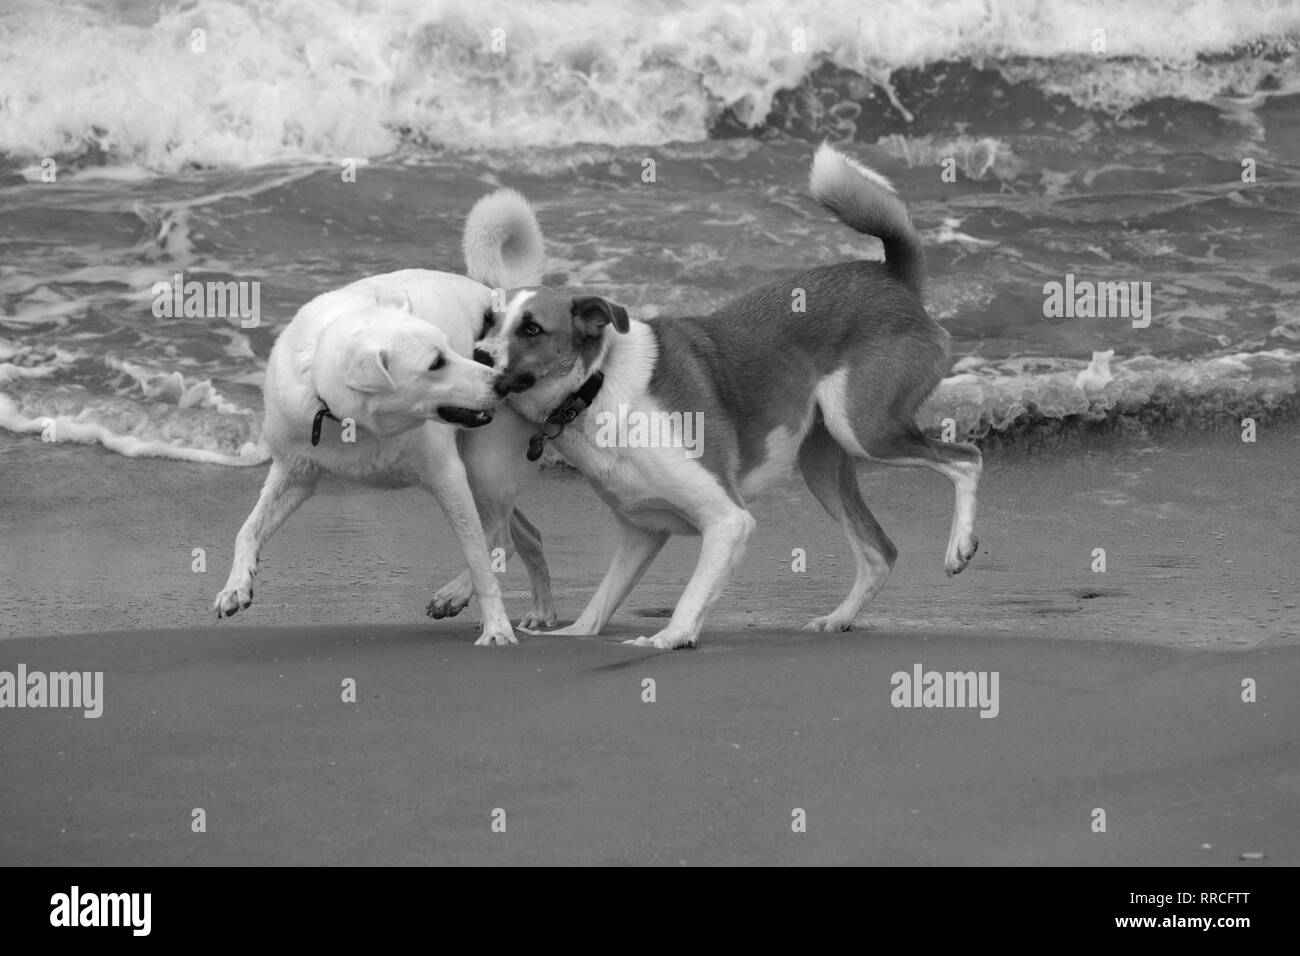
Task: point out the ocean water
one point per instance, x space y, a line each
1033 141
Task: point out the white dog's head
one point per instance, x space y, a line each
390 371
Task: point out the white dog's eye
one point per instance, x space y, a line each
438 363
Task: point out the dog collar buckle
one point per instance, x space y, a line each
571 408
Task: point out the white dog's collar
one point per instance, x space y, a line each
316 422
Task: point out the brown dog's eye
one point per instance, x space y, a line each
530 329
438 363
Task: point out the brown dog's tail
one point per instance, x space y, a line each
864 200
503 242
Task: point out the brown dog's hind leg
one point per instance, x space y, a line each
829 473
528 541
959 462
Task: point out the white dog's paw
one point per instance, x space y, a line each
496 635
827 624
235 596
450 600
960 553
538 617
666 640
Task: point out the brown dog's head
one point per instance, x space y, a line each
547 338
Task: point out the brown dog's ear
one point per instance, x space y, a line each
591 314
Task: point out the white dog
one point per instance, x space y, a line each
372 382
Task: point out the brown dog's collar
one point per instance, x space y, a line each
569 409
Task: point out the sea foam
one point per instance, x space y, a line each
301 81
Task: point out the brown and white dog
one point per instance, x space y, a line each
387 361
838 383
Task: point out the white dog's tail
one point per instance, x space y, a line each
503 242
864 200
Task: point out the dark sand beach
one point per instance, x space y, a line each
1119 691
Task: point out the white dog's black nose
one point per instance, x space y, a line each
483 358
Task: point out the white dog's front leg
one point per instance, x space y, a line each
519 537
282 492
722 549
453 597
499 470
449 484
633 552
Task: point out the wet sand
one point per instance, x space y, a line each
1119 691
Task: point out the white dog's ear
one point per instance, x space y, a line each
369 373
395 299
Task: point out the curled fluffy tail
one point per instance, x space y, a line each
864 200
503 242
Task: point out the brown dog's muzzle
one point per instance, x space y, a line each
510 382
